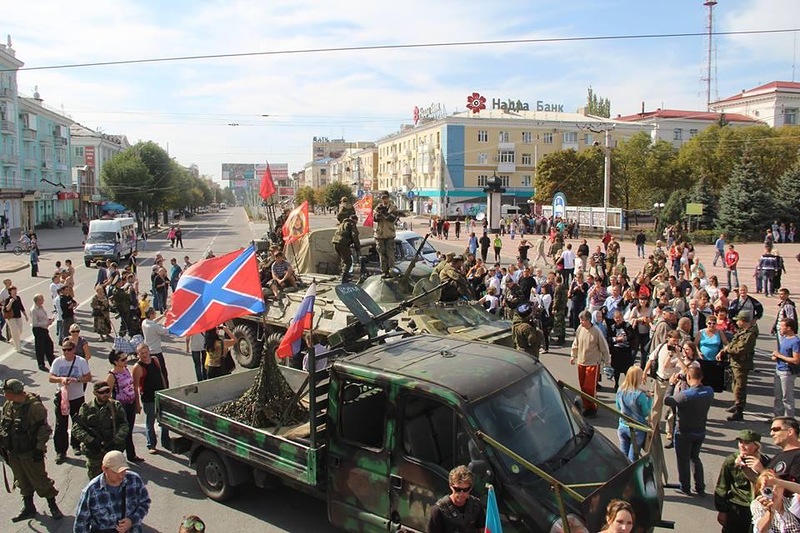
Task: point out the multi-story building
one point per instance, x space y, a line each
90 151
775 103
678 126
317 173
448 160
357 168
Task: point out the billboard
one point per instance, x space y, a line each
238 171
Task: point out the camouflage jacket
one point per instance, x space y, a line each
526 337
101 428
742 348
560 299
346 210
385 216
347 234
23 426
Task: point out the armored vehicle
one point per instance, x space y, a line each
387 423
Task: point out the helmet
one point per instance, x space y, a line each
524 310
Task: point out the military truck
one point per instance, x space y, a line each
387 423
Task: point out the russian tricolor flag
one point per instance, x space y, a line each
290 344
492 514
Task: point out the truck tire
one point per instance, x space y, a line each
88 264
212 476
247 349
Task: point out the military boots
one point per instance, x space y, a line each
55 512
28 510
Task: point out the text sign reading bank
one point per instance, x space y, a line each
476 102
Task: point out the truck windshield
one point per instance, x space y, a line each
101 237
531 418
414 244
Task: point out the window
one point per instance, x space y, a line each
692 133
547 138
323 171
482 179
79 151
432 435
506 156
505 180
363 414
526 180
526 159
588 139
483 158
503 137
790 116
677 134
483 136
571 137
527 137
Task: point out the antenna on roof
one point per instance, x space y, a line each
710 27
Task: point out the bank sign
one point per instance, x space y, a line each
476 102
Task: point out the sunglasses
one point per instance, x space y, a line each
461 489
67 349
776 430
193 524
102 392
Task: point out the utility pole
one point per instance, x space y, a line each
710 5
606 130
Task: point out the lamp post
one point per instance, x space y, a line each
657 207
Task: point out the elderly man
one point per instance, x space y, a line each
23 442
740 351
116 500
589 351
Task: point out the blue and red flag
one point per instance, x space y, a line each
214 290
290 344
492 514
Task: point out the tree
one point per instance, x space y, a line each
306 194
787 194
578 174
126 180
599 107
334 192
702 193
674 210
643 172
745 203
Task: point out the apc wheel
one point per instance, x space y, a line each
247 349
212 475
271 346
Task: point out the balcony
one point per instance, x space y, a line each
506 168
505 146
28 134
61 141
9 160
6 126
61 167
30 164
6 93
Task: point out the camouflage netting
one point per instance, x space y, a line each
265 404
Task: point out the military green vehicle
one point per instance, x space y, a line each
388 422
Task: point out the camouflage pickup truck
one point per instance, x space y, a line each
387 423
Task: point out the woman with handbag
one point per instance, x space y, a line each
101 316
123 390
13 311
218 358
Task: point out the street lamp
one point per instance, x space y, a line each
657 207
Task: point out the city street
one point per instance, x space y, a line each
171 480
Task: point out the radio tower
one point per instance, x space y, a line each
710 5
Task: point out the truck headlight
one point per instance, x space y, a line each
576 525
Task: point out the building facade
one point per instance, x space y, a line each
357 168
448 161
90 151
678 127
775 103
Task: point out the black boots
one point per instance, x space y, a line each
28 510
737 416
55 512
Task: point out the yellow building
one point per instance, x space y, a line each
448 159
357 168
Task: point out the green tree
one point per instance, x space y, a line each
643 172
125 179
674 209
787 194
578 174
306 194
744 203
702 193
334 192
597 106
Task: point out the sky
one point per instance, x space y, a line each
251 109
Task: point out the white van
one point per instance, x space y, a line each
510 210
109 239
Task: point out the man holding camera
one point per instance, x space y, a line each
384 216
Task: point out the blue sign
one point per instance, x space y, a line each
559 205
410 195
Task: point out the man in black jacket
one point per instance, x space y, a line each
459 511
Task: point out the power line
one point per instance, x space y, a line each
406 46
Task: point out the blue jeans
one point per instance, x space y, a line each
735 274
687 450
640 250
150 421
625 443
199 367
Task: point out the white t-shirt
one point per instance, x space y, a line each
569 259
60 368
197 342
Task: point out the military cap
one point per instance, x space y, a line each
748 435
384 194
668 309
101 386
449 256
524 310
742 315
457 257
13 385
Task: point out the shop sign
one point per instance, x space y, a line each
476 102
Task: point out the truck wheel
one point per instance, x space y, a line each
212 475
88 264
247 349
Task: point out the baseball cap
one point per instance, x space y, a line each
13 385
748 435
115 461
101 386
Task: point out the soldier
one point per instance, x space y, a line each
345 240
456 282
23 442
740 351
346 210
101 426
448 257
527 337
385 215
612 252
121 299
560 310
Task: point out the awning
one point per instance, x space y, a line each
113 206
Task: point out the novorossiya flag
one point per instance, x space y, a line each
214 290
296 225
290 344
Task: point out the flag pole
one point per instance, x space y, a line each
296 263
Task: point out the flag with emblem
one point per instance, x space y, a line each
214 290
296 224
290 343
492 514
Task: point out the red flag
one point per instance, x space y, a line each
364 209
267 185
214 290
296 224
290 343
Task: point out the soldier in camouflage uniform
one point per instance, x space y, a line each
560 310
740 351
456 282
121 300
384 216
612 252
448 258
527 337
101 426
23 442
344 241
346 210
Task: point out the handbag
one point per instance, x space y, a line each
63 400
